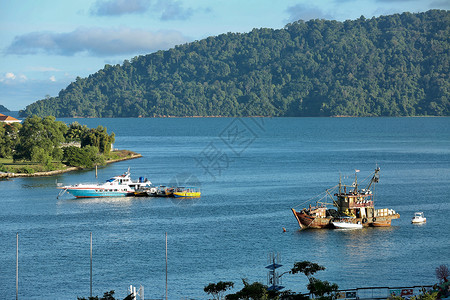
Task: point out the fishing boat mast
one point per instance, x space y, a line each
375 177
340 183
355 191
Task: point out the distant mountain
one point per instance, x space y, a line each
395 65
3 109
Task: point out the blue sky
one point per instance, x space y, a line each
46 44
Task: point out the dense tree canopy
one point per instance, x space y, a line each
8 138
39 139
44 140
395 65
98 138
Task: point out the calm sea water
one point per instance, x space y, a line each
251 171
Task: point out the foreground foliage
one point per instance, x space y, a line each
395 65
255 290
318 288
442 273
217 289
106 296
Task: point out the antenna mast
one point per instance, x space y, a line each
273 277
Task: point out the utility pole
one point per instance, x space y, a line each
17 266
166 266
90 293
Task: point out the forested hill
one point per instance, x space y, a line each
3 109
395 65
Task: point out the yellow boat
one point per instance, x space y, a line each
191 192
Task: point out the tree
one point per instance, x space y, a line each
254 291
217 289
315 286
307 268
85 157
41 156
8 138
442 273
37 136
98 138
75 132
40 140
320 288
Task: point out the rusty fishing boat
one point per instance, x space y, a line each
357 205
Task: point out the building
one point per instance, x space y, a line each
8 119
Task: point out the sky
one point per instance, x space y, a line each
46 44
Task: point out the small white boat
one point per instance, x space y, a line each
117 186
346 223
418 218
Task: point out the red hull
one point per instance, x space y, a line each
306 221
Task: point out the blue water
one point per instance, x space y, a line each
251 171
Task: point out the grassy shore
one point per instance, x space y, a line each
33 169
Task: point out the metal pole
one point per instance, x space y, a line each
17 266
90 293
166 265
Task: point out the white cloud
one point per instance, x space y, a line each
95 41
52 78
10 76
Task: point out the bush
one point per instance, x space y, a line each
26 170
85 157
41 156
57 154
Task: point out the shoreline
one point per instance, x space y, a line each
56 172
230 117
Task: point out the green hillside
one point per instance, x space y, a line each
395 65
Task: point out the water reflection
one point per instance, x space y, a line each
112 202
349 248
39 182
184 202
